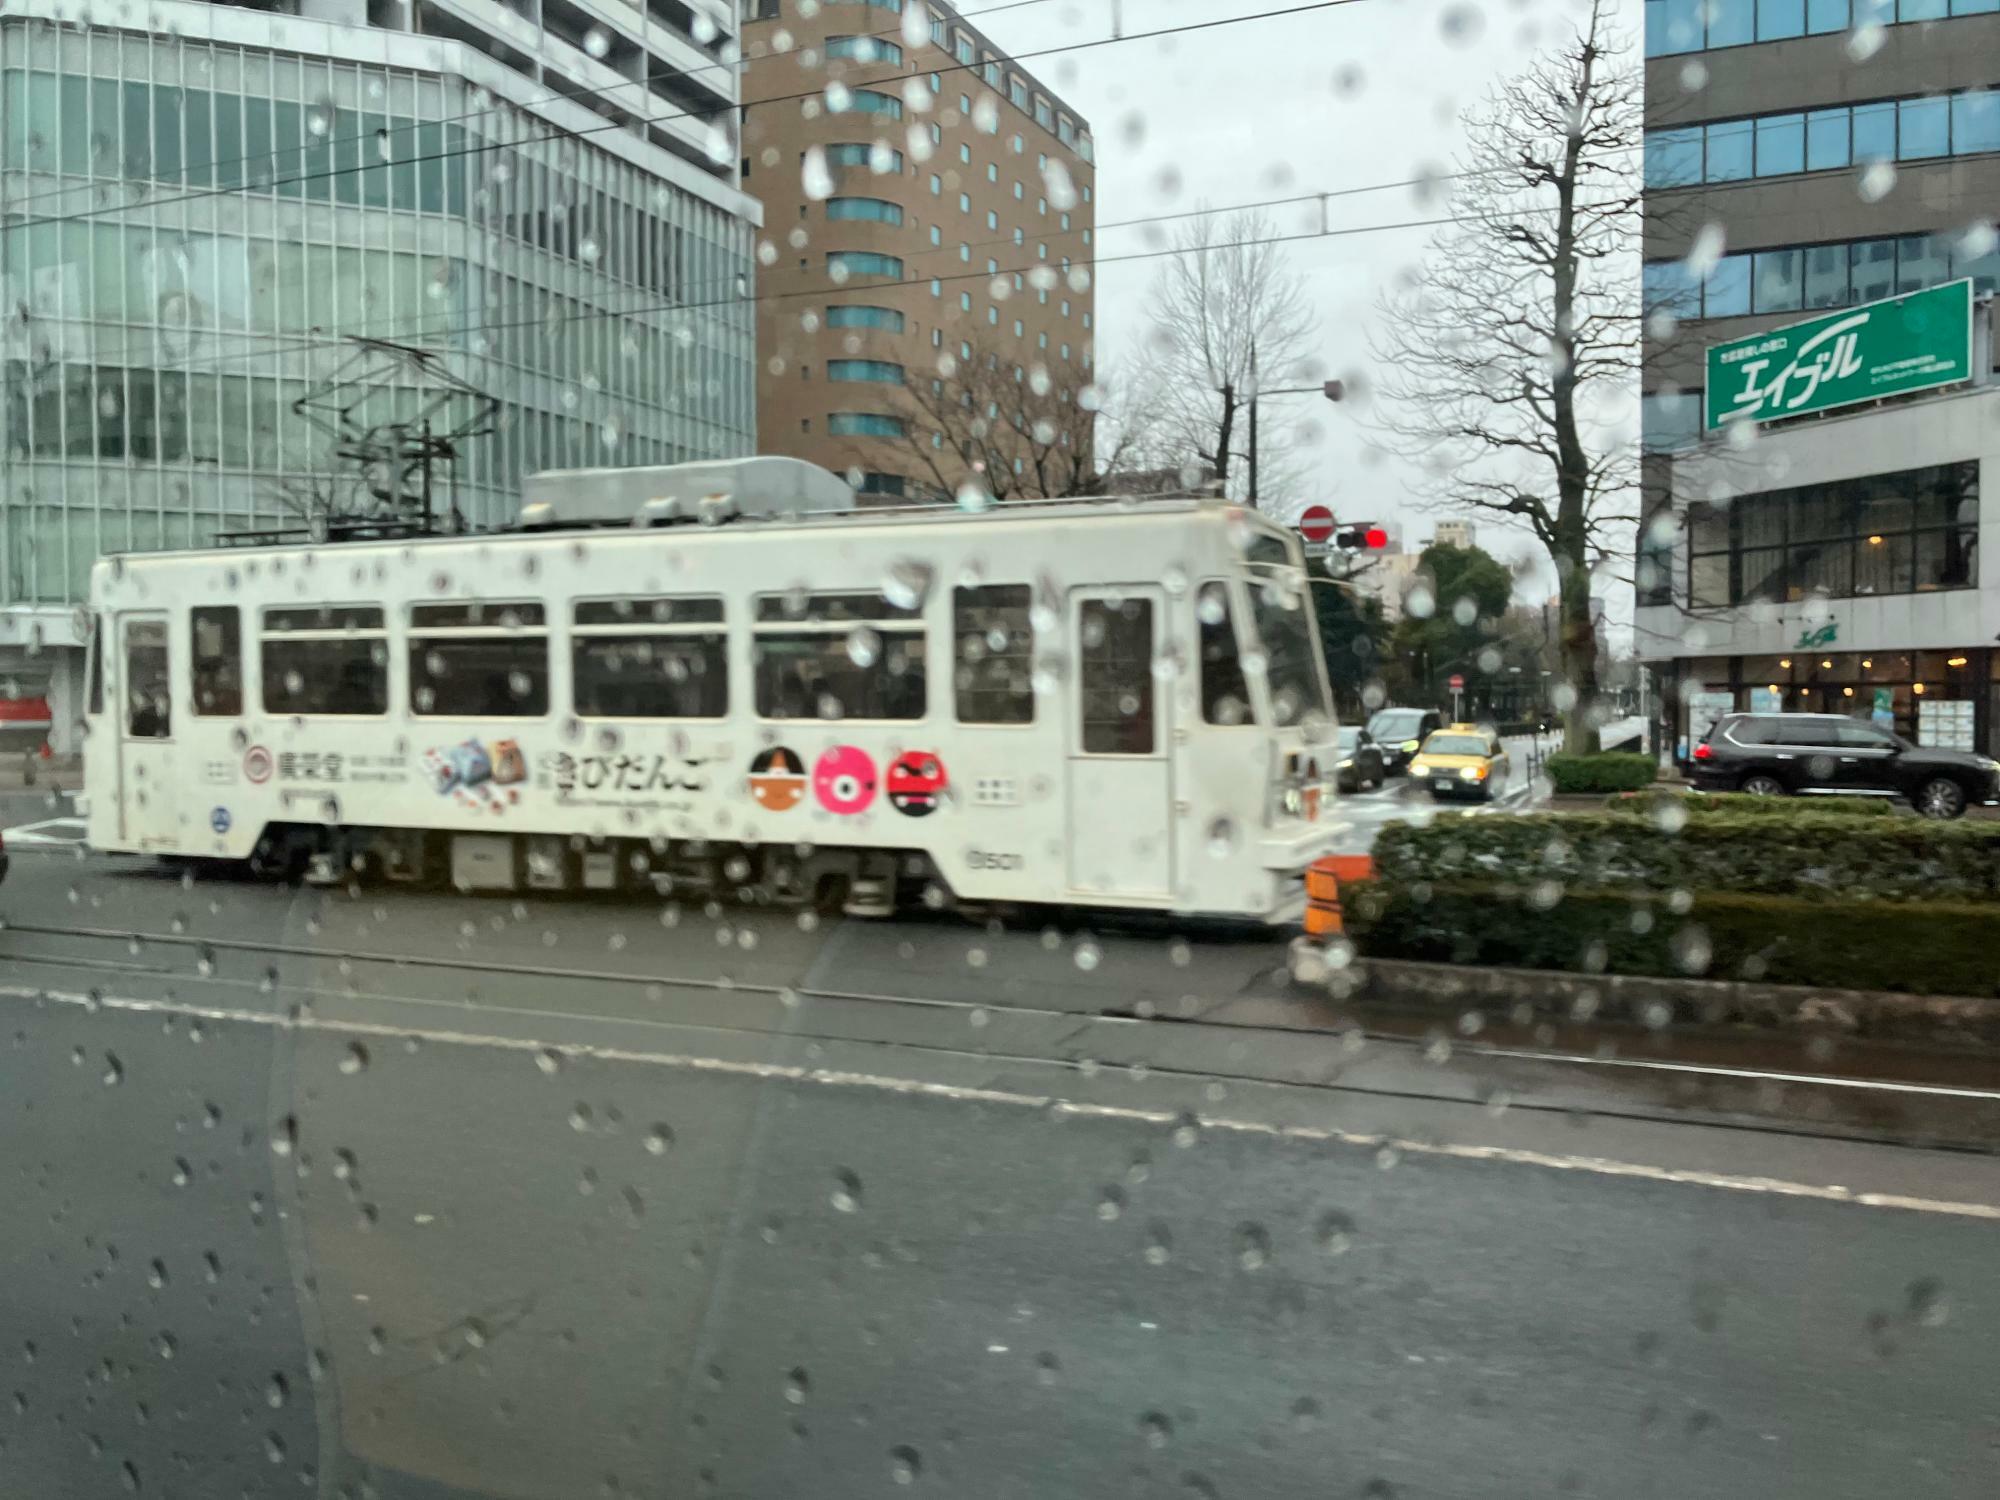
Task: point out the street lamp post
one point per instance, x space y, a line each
1333 390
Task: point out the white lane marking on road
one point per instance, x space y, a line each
40 833
959 1093
1746 1075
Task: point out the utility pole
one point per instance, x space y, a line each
1253 423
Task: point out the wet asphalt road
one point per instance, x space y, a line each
428 1197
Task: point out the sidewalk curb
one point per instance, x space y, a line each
1657 1002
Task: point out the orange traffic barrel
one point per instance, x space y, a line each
1323 877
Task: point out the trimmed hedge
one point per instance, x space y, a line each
1855 944
1607 771
1821 855
1651 804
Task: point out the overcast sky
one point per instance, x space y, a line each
1359 94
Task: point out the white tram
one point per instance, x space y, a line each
724 677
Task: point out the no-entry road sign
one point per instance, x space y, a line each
1316 523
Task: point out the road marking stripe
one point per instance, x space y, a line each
1719 1070
959 1093
31 833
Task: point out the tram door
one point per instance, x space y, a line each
143 699
1121 794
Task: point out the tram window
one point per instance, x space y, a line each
481 616
325 659
838 656
1225 699
650 659
1116 676
148 707
831 608
96 643
479 661
216 650
993 662
1285 629
1264 550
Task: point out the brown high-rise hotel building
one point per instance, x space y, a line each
928 213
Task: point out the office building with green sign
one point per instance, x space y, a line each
201 205
1820 423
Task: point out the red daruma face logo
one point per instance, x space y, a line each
916 783
844 780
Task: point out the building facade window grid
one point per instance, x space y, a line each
864 424
858 315
148 401
1810 278
864 101
1928 127
842 263
872 210
1677 26
1916 531
880 371
981 116
867 49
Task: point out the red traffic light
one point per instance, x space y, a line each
1364 537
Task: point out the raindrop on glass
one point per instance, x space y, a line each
846 1195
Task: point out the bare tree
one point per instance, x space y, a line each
1041 431
1510 362
1229 316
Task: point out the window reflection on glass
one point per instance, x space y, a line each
1922 260
1826 282
1780 145
1875 132
1912 531
1778 281
1727 290
1923 128
1731 153
1827 139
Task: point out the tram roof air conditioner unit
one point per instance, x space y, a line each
706 493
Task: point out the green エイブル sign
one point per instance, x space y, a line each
1915 342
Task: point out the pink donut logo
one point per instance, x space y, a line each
844 780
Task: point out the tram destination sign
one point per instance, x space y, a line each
1915 342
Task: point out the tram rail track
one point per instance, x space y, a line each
1350 1058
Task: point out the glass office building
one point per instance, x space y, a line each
198 219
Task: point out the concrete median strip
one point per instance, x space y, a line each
1657 1002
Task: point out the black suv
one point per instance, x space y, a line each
1400 732
1831 755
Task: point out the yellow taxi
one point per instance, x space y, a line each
1461 760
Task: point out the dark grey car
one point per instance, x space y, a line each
1360 764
